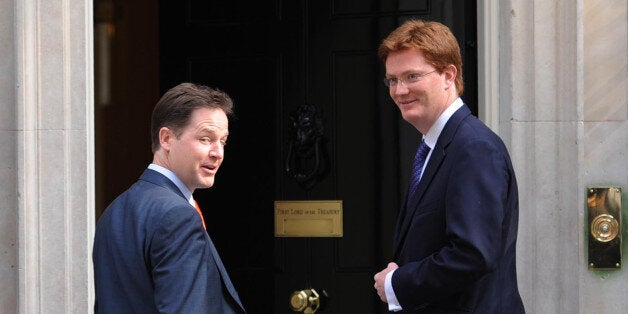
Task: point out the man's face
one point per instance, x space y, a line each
197 153
420 102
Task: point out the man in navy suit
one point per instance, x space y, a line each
455 241
151 251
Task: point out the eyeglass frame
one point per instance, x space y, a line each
387 80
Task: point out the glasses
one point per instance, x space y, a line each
409 79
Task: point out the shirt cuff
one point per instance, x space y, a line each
393 304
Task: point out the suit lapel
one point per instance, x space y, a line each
433 165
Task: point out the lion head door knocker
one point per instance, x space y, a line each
306 160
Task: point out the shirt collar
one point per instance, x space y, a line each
173 177
434 132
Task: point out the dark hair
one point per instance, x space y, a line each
438 45
175 108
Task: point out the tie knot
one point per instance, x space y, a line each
423 150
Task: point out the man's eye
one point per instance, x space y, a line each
223 143
413 76
392 80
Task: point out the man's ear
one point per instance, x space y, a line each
450 75
165 137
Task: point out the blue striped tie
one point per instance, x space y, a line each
417 168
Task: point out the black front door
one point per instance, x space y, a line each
276 58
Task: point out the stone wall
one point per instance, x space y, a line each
563 110
46 146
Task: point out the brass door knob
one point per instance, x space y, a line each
306 301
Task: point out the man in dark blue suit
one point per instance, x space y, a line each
455 241
151 251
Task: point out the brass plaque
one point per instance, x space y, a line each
604 217
308 218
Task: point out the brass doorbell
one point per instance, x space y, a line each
604 217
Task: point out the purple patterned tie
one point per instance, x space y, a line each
417 168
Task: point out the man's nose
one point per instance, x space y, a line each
399 89
217 150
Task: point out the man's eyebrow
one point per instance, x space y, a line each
412 71
209 130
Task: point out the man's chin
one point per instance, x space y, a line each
205 183
208 183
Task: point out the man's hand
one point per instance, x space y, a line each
380 279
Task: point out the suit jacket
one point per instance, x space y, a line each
152 255
456 236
